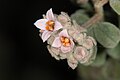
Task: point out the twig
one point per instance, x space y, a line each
92 21
98 5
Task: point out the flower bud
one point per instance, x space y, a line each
85 56
57 54
77 36
64 19
89 42
81 54
72 62
77 27
54 52
92 57
63 55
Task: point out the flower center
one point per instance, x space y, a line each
65 41
50 25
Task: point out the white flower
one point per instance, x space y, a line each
48 25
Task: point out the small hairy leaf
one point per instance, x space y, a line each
114 52
107 34
115 4
100 59
90 31
80 17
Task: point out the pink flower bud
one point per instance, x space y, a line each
54 52
72 62
89 42
81 54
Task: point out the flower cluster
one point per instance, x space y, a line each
66 39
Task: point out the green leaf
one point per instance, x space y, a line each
114 52
80 17
107 34
115 4
90 31
100 59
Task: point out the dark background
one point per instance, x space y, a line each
23 55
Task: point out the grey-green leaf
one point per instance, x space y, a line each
115 4
107 34
90 30
100 59
80 17
114 52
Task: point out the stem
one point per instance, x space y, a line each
92 21
98 5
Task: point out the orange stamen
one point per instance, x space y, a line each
62 39
65 41
50 25
67 44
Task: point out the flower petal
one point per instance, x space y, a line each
63 56
46 35
57 25
41 23
72 43
50 15
65 49
64 33
56 42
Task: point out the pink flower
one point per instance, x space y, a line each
64 42
48 25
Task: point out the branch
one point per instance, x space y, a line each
98 5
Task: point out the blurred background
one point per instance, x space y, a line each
23 55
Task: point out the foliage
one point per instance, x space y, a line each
115 4
114 52
107 34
